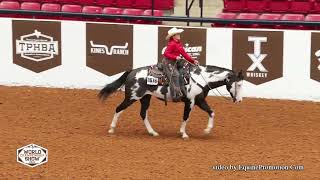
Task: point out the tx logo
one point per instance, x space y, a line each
257 57
259 53
318 56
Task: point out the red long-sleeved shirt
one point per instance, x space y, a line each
174 49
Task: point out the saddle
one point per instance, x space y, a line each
156 76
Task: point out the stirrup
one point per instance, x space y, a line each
184 92
176 99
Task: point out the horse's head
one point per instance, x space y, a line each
234 85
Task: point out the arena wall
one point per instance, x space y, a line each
278 64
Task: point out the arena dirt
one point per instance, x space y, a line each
72 125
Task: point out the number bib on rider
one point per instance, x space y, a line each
152 80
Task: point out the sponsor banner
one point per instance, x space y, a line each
193 39
36 44
259 54
109 47
315 57
32 155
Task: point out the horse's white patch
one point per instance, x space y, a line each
204 77
219 76
114 122
183 129
134 89
210 123
115 119
157 93
141 74
149 127
239 90
236 90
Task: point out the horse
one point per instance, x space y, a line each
203 79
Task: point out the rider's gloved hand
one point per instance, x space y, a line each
178 58
196 62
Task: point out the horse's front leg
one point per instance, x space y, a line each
202 103
187 109
145 103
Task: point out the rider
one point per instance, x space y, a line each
171 60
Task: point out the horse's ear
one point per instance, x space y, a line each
228 77
240 74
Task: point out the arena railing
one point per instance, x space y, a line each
162 18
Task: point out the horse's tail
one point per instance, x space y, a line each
112 87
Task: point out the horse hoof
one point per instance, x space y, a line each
111 131
207 131
154 134
185 136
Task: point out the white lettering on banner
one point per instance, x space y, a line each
253 74
257 57
318 56
40 47
37 46
114 50
98 50
193 51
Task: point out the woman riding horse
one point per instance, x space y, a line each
172 62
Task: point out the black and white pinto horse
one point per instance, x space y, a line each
203 79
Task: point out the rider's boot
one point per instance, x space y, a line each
175 89
182 86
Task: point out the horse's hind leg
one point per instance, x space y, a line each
145 103
125 103
187 109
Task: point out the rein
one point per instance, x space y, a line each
225 97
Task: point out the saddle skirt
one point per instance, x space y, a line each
156 76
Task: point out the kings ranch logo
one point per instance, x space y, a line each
109 47
259 54
113 50
37 45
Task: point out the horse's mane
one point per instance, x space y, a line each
211 68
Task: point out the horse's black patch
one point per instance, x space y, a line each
164 90
189 89
141 90
210 69
130 83
187 109
197 71
214 85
